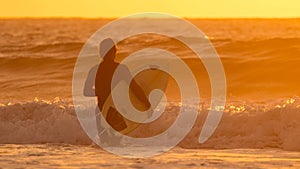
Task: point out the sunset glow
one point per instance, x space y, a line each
117 8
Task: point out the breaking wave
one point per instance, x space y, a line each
275 124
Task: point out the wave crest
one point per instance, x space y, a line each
274 124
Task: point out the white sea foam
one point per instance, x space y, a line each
244 125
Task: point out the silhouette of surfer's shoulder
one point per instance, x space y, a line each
102 84
100 74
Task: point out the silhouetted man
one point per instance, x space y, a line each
101 86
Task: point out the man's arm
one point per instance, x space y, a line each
89 86
125 74
139 92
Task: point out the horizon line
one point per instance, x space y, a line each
112 18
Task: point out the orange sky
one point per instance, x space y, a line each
183 8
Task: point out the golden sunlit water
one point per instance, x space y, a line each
261 122
69 156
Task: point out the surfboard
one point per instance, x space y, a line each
148 80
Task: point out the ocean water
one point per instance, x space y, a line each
70 156
260 58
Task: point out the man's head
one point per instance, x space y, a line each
108 49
